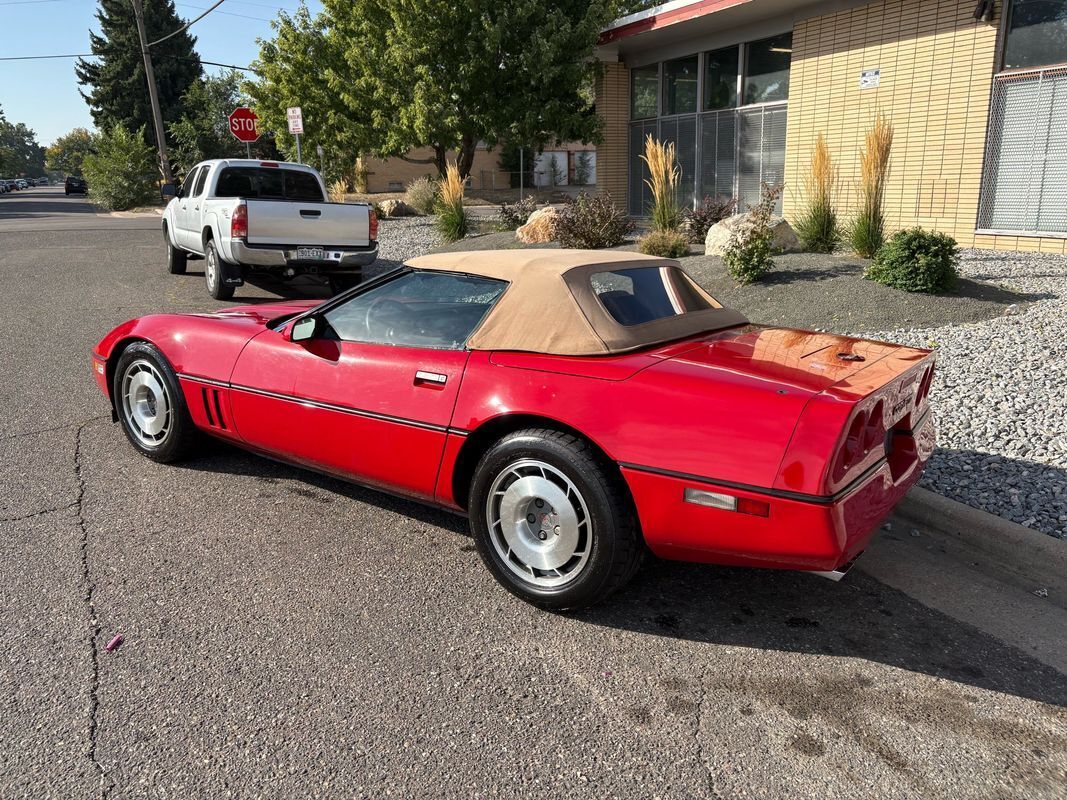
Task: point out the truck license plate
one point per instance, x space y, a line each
310 253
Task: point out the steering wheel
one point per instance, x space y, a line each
384 312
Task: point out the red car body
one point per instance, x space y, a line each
816 436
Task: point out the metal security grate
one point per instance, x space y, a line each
1024 185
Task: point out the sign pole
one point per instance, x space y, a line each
248 150
299 157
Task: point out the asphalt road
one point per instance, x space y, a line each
288 635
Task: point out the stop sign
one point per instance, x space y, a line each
243 124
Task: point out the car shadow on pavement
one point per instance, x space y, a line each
792 611
761 609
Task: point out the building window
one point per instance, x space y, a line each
767 69
1037 34
644 92
680 86
1026 154
720 79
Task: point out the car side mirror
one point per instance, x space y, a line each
169 191
303 329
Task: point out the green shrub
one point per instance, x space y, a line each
515 215
122 172
452 220
748 253
666 244
592 221
698 221
915 260
421 195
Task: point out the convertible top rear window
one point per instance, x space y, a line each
636 295
269 183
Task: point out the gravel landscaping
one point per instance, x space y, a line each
1000 396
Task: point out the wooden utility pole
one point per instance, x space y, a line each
153 95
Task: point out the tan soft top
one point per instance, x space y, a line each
550 306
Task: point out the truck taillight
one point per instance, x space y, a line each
239 222
373 226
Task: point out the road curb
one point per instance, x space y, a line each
1034 557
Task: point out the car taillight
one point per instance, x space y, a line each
373 226
239 222
865 432
727 502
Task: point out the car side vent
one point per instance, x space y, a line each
213 407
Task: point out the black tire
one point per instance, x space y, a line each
181 438
177 260
615 546
215 273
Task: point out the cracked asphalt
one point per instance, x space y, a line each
288 635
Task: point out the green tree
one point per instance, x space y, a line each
121 171
204 131
385 77
20 154
67 152
292 69
116 87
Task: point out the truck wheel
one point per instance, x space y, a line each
552 522
215 272
176 259
151 405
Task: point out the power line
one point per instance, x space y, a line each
158 55
186 25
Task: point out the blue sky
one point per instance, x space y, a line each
44 94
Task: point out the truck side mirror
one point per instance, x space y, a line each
169 191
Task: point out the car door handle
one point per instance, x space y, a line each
310 212
196 208
423 378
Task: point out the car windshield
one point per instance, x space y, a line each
645 294
269 183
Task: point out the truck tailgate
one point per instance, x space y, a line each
290 222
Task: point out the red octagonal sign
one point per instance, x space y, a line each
243 124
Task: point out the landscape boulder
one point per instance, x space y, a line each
540 227
396 208
783 240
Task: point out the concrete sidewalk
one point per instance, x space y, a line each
1004 579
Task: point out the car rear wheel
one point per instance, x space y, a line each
215 273
151 406
552 521
177 260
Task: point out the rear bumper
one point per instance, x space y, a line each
799 532
338 259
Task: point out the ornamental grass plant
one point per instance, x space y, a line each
867 233
817 227
664 174
452 221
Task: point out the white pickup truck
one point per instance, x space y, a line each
245 217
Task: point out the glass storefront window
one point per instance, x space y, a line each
680 86
767 69
720 79
1037 34
644 92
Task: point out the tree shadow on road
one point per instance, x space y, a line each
759 609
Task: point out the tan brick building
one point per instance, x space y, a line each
976 92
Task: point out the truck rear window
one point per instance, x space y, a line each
268 183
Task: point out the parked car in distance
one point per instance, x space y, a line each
246 216
22 184
579 406
75 185
4 186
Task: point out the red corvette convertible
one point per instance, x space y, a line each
581 407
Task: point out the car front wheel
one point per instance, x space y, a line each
553 522
151 406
